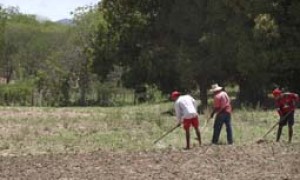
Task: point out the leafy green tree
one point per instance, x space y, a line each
140 45
285 66
3 19
87 22
181 45
35 50
200 38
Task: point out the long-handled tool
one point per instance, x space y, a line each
270 130
166 133
206 122
205 125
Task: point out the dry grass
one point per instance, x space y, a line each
25 130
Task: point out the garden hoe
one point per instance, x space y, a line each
166 133
263 138
205 125
206 122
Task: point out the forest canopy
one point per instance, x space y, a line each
120 45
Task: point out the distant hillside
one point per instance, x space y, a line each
65 21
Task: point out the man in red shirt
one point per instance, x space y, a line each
222 107
286 105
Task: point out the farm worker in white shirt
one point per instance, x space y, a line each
186 114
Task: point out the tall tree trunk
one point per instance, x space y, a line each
203 95
83 83
250 94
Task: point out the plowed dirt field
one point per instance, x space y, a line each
255 161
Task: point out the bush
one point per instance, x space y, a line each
17 93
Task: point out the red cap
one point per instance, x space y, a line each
174 95
276 92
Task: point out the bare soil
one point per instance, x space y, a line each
255 161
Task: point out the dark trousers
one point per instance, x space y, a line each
222 118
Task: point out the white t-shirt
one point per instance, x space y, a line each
185 108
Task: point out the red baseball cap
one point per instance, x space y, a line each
174 95
276 92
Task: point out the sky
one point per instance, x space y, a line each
51 9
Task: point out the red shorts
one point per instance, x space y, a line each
188 122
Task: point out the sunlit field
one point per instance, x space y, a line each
118 143
38 130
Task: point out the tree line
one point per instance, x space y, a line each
168 44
